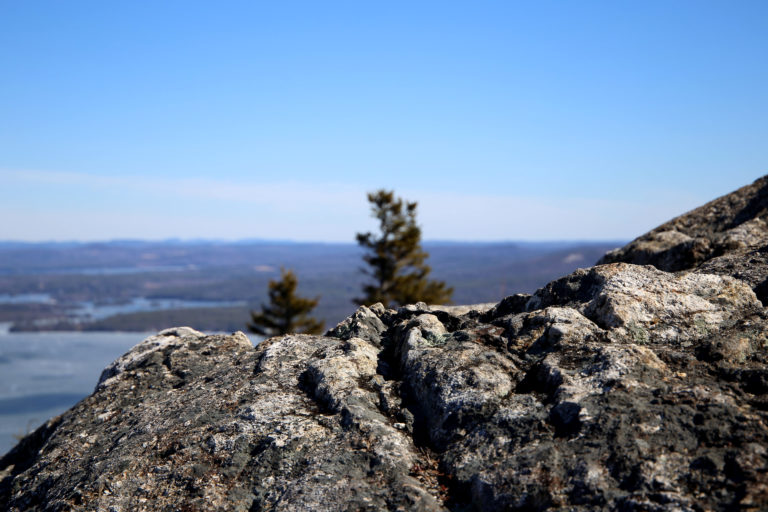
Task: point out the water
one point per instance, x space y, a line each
44 374
98 271
90 311
26 298
114 271
97 311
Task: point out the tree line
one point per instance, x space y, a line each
396 267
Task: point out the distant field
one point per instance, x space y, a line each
142 286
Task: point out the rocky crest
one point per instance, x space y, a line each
726 236
637 385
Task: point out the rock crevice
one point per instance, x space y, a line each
640 384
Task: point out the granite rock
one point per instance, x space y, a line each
640 384
727 236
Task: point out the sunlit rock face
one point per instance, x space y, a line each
727 236
640 384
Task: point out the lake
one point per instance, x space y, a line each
86 311
44 374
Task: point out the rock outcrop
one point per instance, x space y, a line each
727 236
637 385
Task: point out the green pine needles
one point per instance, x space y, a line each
395 258
286 312
396 267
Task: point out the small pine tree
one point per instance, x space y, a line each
286 312
395 257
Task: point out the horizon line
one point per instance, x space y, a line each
255 240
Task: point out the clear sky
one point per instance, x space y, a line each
504 120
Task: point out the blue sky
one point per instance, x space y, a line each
504 120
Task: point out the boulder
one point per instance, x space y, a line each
727 236
640 384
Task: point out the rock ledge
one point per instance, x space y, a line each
640 384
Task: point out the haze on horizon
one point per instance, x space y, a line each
504 120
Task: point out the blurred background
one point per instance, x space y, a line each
161 161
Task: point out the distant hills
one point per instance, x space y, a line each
212 285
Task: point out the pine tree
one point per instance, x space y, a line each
395 257
286 312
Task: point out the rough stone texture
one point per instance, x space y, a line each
620 387
727 236
211 423
646 304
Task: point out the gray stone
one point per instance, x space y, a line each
624 386
727 236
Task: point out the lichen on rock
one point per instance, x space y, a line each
640 384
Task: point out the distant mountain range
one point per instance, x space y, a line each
50 285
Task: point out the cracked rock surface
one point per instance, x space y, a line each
620 387
727 236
